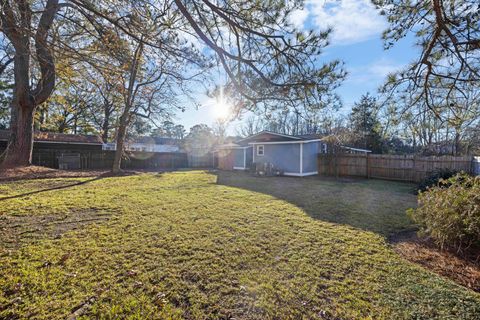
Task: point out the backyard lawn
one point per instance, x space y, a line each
200 245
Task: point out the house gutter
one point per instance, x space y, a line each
285 142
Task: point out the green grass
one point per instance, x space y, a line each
184 245
372 205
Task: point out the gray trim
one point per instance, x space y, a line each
269 132
293 174
286 142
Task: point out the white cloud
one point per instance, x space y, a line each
382 69
375 72
298 17
352 20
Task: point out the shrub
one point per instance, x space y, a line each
451 215
433 178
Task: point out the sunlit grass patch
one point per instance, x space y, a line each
182 245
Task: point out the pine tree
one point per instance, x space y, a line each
365 126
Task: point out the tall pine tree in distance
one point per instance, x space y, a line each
365 126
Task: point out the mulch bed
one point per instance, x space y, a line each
464 270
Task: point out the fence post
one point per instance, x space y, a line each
415 169
335 166
368 166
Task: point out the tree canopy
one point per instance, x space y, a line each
268 62
448 34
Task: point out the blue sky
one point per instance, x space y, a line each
356 40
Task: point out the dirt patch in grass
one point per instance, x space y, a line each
37 172
18 230
461 269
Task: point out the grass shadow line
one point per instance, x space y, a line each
21 195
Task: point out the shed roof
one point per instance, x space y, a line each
310 136
267 136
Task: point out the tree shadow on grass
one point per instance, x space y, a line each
371 205
68 185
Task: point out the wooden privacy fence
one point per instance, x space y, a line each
204 160
390 167
103 159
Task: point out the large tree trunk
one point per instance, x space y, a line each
126 115
457 144
20 145
106 123
20 31
121 135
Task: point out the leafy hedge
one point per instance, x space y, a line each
433 178
451 215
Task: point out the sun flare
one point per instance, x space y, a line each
221 107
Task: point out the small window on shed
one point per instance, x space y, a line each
324 148
260 150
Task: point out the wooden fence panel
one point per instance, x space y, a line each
352 164
103 159
390 167
205 160
96 158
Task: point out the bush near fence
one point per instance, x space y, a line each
449 213
409 168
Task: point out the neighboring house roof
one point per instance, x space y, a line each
53 137
144 147
333 139
156 140
356 149
172 141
